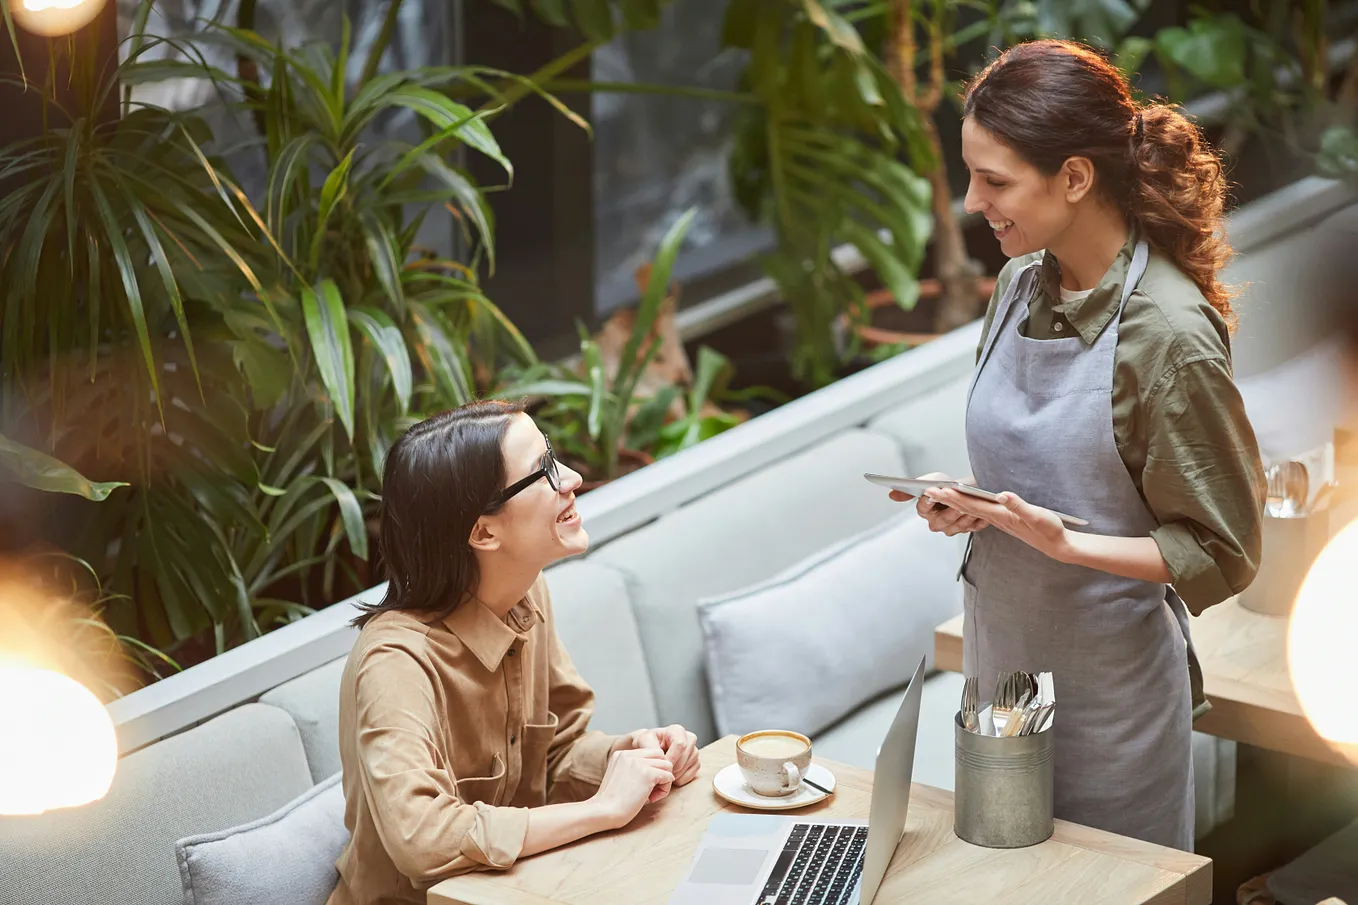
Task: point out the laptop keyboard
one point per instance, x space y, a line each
819 865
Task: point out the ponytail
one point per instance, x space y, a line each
1178 196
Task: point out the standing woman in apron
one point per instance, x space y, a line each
1103 389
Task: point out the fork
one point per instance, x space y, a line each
970 702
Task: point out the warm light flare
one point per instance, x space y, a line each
57 744
1322 642
54 18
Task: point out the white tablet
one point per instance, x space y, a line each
917 487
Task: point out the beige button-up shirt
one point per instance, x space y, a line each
449 732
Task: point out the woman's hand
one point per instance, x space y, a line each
1039 528
632 778
680 747
942 519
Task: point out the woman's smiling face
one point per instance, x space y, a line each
1027 210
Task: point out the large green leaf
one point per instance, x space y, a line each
442 357
887 261
332 191
40 471
1212 48
385 255
266 368
553 12
470 199
833 24
386 338
351 514
328 329
444 113
1339 153
595 19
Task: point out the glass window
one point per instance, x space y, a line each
656 156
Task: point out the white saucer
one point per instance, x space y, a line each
729 784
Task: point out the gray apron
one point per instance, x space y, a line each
1040 424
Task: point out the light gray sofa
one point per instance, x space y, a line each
627 613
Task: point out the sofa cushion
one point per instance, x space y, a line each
855 739
804 649
285 858
931 429
313 701
595 623
237 767
744 532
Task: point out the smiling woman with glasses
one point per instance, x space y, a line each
464 735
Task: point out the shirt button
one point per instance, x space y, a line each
1058 326
512 739
512 652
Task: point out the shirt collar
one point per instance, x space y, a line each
486 635
1092 313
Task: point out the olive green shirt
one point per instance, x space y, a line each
1178 419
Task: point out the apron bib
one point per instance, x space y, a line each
1040 424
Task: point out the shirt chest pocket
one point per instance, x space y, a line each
537 744
487 789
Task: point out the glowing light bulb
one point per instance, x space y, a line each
1322 642
57 744
54 18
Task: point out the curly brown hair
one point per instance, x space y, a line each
1052 100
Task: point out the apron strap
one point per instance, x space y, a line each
1135 270
1019 288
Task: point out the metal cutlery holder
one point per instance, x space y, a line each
1003 792
1296 528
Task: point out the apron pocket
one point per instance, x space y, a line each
486 789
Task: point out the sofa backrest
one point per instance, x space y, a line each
740 534
238 767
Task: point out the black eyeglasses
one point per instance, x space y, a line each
546 469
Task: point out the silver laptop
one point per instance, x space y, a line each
767 859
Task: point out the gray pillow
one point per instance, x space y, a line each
806 648
286 858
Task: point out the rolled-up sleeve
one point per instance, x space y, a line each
428 832
1204 482
578 756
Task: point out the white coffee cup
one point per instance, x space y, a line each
773 761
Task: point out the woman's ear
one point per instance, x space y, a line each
1077 178
485 535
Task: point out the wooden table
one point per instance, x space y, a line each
644 862
1245 676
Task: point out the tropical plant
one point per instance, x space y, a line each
1275 64
819 156
230 371
593 416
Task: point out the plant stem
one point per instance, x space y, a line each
956 271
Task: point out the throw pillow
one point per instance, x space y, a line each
803 650
286 858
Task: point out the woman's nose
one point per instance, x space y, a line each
570 478
972 203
